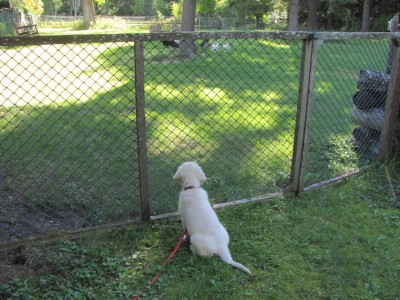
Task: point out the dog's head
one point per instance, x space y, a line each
190 173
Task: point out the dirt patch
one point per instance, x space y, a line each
20 217
22 263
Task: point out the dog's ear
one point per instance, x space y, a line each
178 174
200 174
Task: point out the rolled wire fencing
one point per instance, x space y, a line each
93 128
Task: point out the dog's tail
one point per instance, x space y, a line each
239 266
226 257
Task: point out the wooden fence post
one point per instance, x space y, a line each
391 108
301 140
393 96
141 129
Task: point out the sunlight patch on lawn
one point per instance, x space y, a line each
275 44
323 87
216 93
45 75
55 90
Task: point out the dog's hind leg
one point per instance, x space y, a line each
226 257
202 245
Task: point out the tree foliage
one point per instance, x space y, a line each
4 4
52 6
206 7
31 6
346 15
244 8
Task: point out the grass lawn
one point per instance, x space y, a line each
339 242
102 26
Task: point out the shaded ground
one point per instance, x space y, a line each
21 262
19 218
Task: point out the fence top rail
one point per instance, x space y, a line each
110 38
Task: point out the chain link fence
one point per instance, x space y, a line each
68 141
225 109
333 148
70 153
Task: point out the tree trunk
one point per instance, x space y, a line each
259 23
188 15
312 15
88 13
294 15
188 47
365 16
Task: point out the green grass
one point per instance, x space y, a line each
339 242
115 26
68 139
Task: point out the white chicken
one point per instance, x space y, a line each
226 46
214 46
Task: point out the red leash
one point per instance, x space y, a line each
165 262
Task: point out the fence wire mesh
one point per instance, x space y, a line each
232 109
68 141
69 144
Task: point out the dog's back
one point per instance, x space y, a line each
207 235
199 217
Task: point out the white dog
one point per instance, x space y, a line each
207 235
